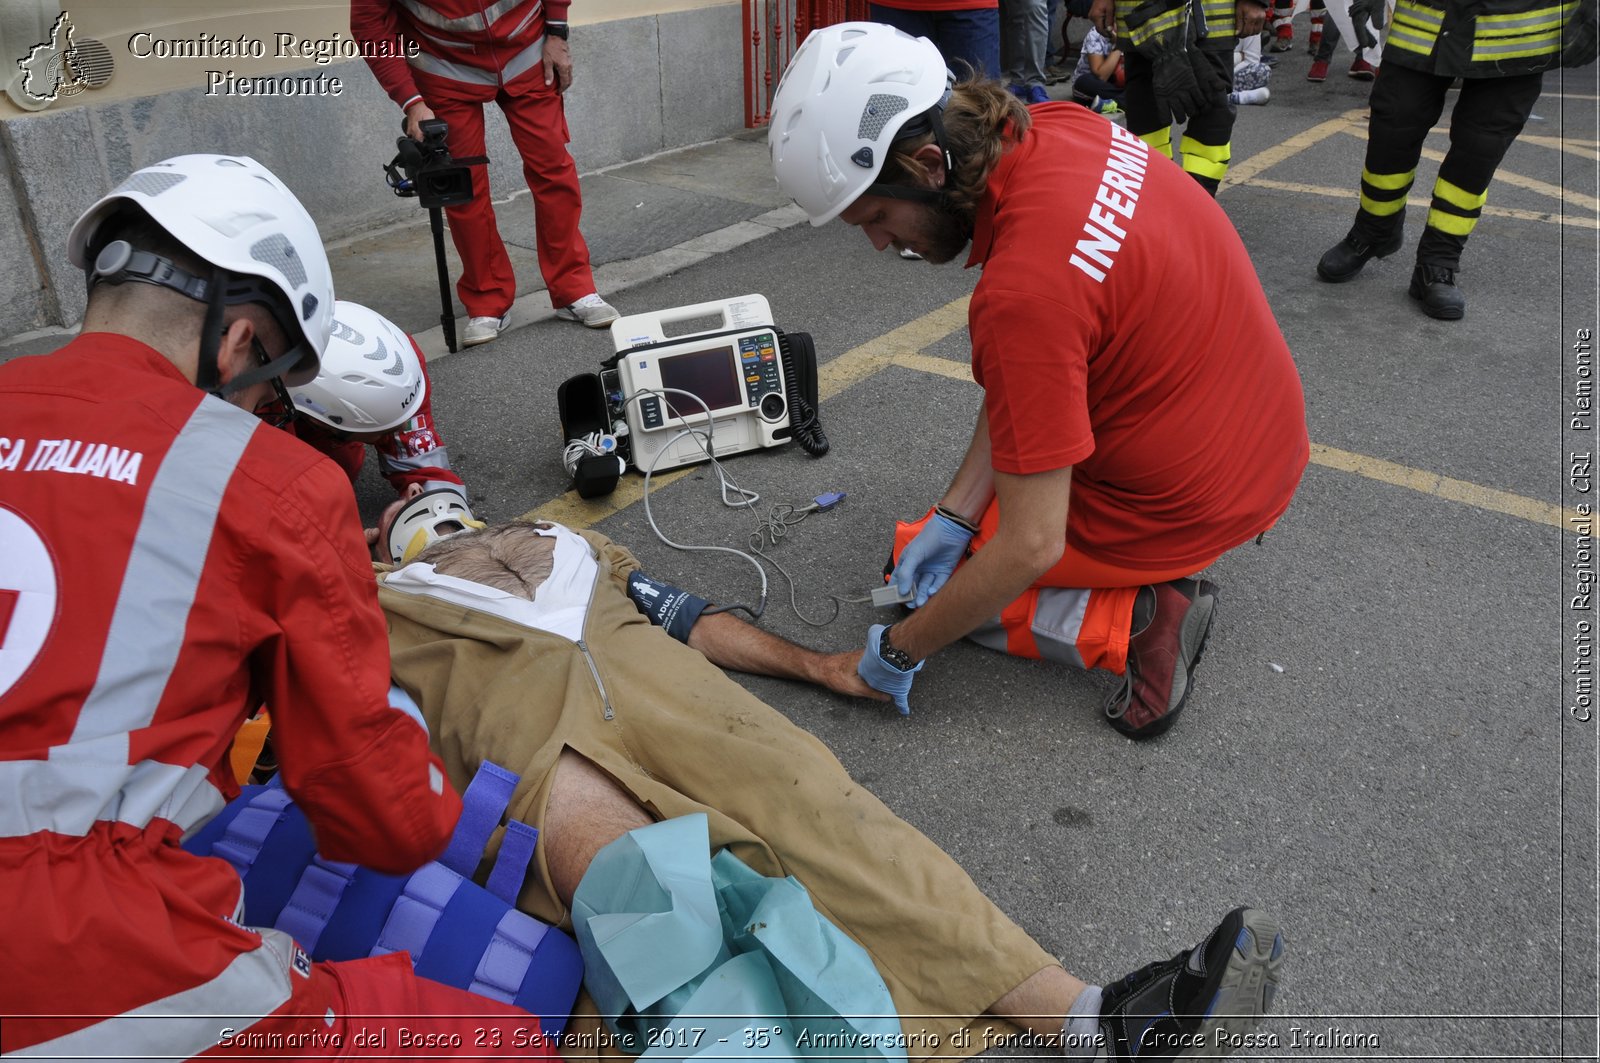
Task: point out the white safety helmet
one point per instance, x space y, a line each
423 521
235 214
845 98
371 378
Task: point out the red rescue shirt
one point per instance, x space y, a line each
1119 328
167 564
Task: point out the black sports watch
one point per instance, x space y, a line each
892 656
556 29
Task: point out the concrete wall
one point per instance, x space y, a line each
642 85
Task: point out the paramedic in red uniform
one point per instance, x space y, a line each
446 59
374 389
168 562
1142 414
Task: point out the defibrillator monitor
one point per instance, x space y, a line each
726 381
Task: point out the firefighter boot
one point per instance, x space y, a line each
1344 259
1435 288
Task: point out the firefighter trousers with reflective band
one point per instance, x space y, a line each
1077 613
1207 137
538 125
1406 103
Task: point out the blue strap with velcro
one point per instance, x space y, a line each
511 866
314 900
456 931
481 808
363 910
248 830
416 911
505 962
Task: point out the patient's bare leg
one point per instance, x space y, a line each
1041 1002
587 811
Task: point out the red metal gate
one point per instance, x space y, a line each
773 29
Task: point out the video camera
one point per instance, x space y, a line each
424 169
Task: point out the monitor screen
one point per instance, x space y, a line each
713 375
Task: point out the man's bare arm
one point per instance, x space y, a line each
729 642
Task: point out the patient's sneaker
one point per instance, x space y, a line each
1170 624
483 329
591 310
1202 1002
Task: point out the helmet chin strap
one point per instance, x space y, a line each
207 376
119 263
265 371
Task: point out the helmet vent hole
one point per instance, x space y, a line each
842 56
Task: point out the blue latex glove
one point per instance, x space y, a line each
927 561
883 677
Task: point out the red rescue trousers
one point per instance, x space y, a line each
538 124
1078 613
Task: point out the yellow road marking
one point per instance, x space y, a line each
1468 494
1532 184
859 363
1246 170
1488 211
1588 149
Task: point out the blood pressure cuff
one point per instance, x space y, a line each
460 933
668 607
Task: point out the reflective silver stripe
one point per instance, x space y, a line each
440 42
991 634
70 794
1425 17
435 485
169 552
179 1027
1550 16
1057 620
1409 40
1541 44
537 7
524 60
444 68
437 458
479 22
400 701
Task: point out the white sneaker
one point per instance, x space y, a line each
1249 96
484 329
591 310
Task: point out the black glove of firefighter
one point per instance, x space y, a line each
1184 83
1363 11
1580 38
